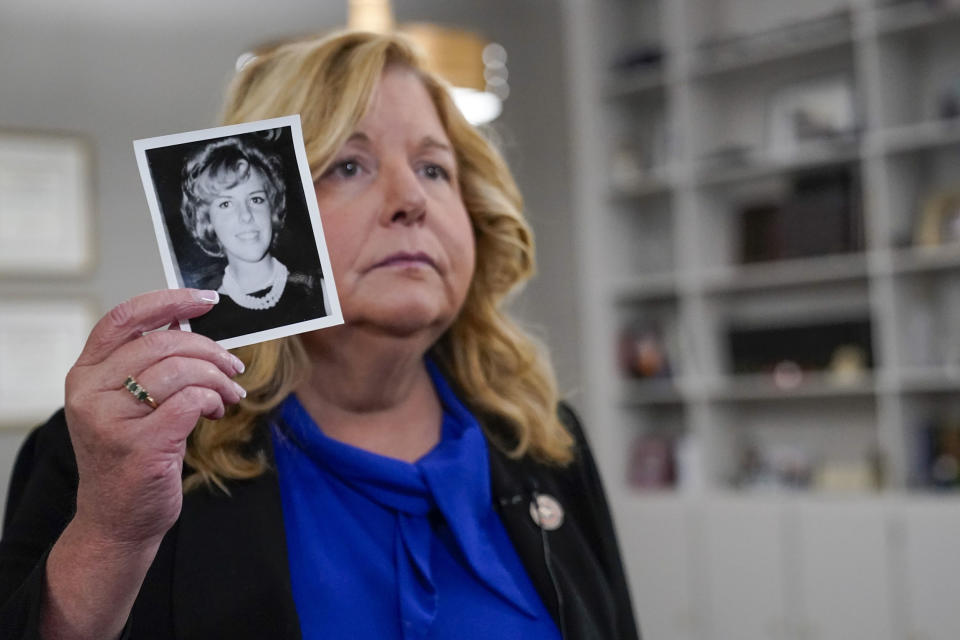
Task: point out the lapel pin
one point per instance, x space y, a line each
546 512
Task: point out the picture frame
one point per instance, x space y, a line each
814 109
46 204
938 223
40 340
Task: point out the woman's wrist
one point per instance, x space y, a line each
99 540
92 581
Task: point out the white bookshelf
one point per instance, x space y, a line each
663 248
664 244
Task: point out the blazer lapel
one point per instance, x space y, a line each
231 575
511 499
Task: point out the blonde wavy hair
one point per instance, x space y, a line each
500 372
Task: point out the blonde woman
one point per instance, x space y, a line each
405 475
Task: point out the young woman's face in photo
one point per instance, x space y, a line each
241 219
400 239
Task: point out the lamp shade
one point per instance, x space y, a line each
456 55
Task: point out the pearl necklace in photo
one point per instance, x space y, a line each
278 282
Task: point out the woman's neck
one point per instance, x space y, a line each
252 276
372 392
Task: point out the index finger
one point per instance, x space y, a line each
148 311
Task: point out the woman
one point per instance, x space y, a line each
404 475
234 206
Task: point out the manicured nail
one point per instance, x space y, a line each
238 364
206 295
240 390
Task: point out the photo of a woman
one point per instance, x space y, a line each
234 206
234 212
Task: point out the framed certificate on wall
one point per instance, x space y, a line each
46 204
39 342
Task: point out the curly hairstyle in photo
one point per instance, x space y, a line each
220 165
500 371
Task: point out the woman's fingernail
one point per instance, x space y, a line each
206 295
238 364
240 390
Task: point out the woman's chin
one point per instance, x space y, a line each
402 318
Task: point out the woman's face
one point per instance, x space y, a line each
241 219
399 236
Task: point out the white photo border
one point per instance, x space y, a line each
171 270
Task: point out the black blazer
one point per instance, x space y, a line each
222 569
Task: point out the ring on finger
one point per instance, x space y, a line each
138 392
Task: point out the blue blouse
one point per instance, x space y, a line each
386 549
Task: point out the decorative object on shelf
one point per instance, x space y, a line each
643 353
848 365
751 469
791 466
819 215
939 450
855 476
949 103
46 204
787 375
817 109
652 462
809 347
39 341
939 221
771 467
729 157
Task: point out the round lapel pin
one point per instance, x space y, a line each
546 512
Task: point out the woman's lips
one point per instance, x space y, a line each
403 258
248 235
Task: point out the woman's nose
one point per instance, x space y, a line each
406 201
246 213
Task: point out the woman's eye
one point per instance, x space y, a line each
258 199
436 172
347 168
224 204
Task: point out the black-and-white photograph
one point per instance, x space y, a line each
234 211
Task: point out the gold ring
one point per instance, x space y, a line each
139 392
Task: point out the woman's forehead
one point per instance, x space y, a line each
401 106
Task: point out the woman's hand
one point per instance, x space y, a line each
130 456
